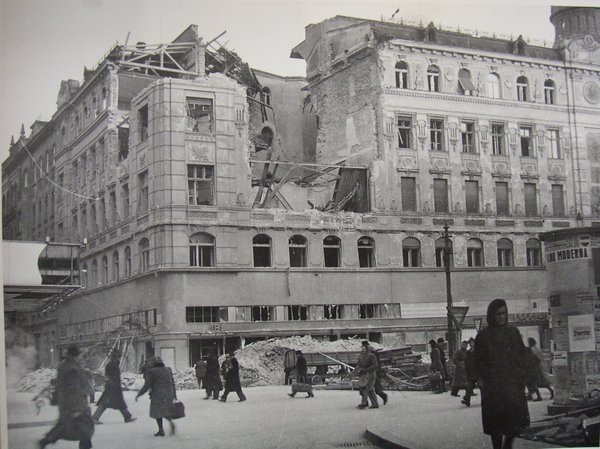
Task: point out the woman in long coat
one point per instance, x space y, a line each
501 366
159 381
232 379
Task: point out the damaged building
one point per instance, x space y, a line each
216 204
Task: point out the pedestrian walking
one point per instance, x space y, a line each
200 368
542 377
532 365
112 397
445 373
302 383
500 365
232 379
367 370
212 380
159 382
471 373
72 392
459 380
379 374
436 369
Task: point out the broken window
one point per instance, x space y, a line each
440 249
123 142
125 188
203 314
265 96
467 131
505 253
366 311
202 250
200 184
475 253
143 123
402 75
199 115
297 246
534 253
351 193
465 84
112 200
366 252
261 248
332 312
297 313
411 252
267 136
522 84
433 78
332 247
404 127
263 313
526 141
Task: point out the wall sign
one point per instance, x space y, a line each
582 336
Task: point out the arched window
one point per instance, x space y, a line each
433 78
104 270
94 274
116 266
84 275
104 98
522 86
332 249
505 253
366 252
440 247
475 253
265 95
144 252
493 85
534 253
267 136
549 92
401 71
261 249
202 250
94 107
297 247
411 252
465 83
127 261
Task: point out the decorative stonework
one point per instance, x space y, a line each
501 168
408 163
443 221
534 223
416 221
439 164
201 151
561 224
591 92
474 222
505 223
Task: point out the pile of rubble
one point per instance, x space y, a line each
35 381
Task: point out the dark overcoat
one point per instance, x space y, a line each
436 360
500 364
232 376
212 379
460 368
302 369
159 381
112 397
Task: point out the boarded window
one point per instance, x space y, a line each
409 194
472 197
530 200
440 195
558 200
502 198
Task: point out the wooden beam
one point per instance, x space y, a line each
281 183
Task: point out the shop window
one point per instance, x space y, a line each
411 252
534 253
297 247
199 115
440 249
261 247
433 78
200 184
505 253
297 313
332 247
475 253
202 250
202 314
366 252
401 71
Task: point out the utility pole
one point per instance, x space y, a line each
450 331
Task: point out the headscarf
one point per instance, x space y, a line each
491 311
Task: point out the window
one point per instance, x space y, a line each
522 84
498 139
263 313
112 201
366 311
202 250
199 115
402 75
467 131
553 144
436 134
123 137
472 197
366 252
411 252
332 312
525 133
465 85
440 195
474 253
265 96
267 136
94 218
549 92
84 275
493 85
144 251
440 249
433 78
530 199
408 191
102 213
125 188
200 184
143 192
115 262
297 247
104 98
502 207
261 248
104 270
143 123
202 314
558 200
505 253
297 313
331 251
127 261
534 253
94 274
404 126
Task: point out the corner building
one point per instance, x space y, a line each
216 206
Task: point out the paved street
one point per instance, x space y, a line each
269 419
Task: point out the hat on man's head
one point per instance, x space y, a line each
365 343
298 351
73 351
116 352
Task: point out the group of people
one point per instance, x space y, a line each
208 374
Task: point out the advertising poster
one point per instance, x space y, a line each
582 336
560 358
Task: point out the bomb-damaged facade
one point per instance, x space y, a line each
216 204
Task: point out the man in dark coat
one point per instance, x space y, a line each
159 381
436 368
113 393
471 373
379 374
301 376
445 374
232 379
72 392
200 368
212 380
500 365
459 359
367 370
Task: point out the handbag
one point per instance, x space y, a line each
177 410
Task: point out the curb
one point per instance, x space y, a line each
388 440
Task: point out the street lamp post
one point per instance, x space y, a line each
451 337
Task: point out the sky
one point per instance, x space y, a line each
45 41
